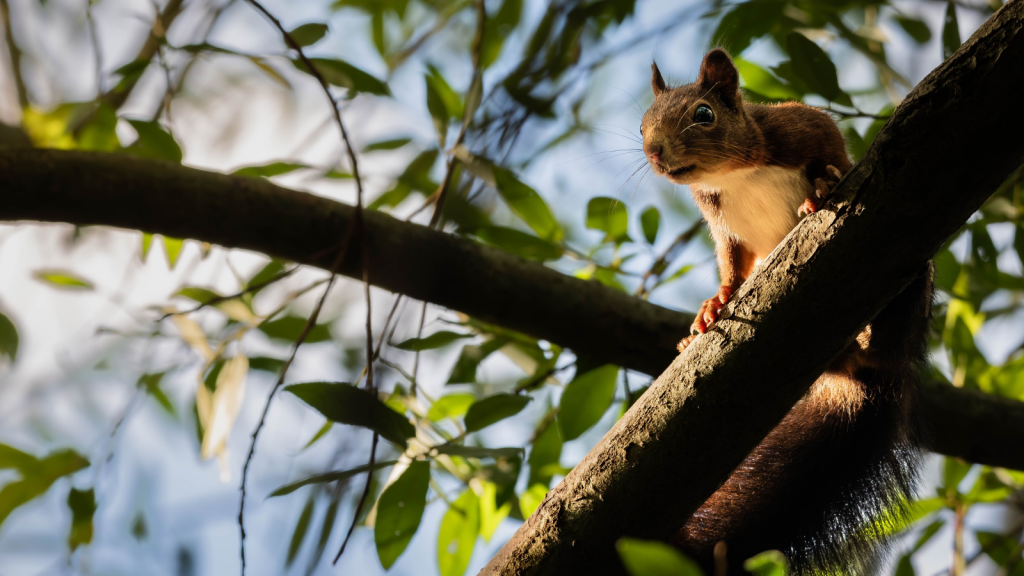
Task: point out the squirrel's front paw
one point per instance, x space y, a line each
686 342
822 188
709 311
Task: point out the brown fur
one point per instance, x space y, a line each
847 451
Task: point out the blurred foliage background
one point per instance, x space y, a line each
134 368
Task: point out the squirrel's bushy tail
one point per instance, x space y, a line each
842 456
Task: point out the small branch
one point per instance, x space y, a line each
662 263
857 113
362 500
14 52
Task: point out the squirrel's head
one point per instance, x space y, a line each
700 128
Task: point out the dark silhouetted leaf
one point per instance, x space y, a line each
650 221
478 451
586 399
83 505
813 66
334 476
527 204
290 327
267 364
267 170
746 21
519 243
915 28
392 144
8 338
308 34
950 32
399 511
299 534
342 74
470 358
493 409
608 215
346 404
435 340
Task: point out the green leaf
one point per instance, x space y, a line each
37 478
334 476
950 32
745 22
151 383
770 563
528 205
342 74
764 83
435 340
497 28
100 133
648 558
493 409
650 221
814 67
531 499
62 279
197 294
855 143
477 451
491 514
608 215
153 142
147 242
290 327
299 534
268 170
915 28
449 98
450 406
399 512
457 535
308 34
586 399
436 107
470 358
545 454
346 404
266 363
519 243
8 338
392 144
172 249
83 505
11 457
335 174
273 269
954 472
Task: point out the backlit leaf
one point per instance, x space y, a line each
153 142
62 279
477 451
342 74
545 453
650 221
527 204
399 512
450 406
457 535
770 563
37 478
586 399
531 499
648 558
608 215
290 328
346 404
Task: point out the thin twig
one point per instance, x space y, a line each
416 357
857 113
218 299
362 499
662 263
334 268
15 54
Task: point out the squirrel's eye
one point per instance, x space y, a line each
641 128
703 115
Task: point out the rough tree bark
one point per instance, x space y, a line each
915 187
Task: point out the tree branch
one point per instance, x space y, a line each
915 187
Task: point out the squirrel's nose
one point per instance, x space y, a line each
653 152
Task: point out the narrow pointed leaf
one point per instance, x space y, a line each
346 404
330 477
399 512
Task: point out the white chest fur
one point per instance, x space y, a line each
759 205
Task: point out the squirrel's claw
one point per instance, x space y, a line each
808 207
708 314
685 342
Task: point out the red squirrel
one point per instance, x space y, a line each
847 451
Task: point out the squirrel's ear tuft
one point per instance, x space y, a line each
657 82
718 73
